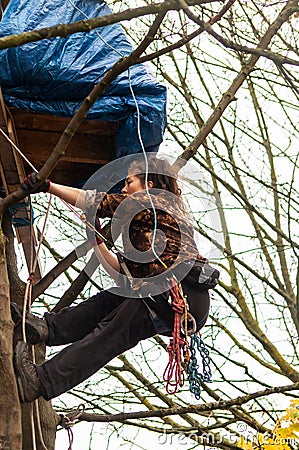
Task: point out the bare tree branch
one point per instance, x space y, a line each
258 51
78 284
90 24
212 406
190 37
61 267
229 95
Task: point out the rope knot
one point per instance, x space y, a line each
31 276
178 307
68 420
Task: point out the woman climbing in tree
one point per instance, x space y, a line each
158 247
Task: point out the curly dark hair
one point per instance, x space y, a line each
160 172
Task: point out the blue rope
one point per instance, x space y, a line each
195 378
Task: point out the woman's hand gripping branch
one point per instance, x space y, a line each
73 196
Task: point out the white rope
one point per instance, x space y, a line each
96 31
139 137
27 303
39 428
18 150
146 173
33 434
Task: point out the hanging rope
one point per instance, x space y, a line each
17 148
33 435
178 348
39 427
26 306
67 421
182 355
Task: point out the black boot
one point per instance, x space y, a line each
29 385
36 328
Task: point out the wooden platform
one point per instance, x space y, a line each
91 147
36 135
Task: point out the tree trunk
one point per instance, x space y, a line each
45 424
15 427
10 411
45 419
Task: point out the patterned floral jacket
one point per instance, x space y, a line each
134 218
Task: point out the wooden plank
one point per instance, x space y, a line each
84 156
33 121
11 177
91 147
38 145
73 174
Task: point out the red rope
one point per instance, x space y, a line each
173 374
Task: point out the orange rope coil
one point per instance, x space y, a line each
178 348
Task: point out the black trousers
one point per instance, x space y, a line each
103 327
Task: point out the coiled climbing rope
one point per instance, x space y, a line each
181 353
178 348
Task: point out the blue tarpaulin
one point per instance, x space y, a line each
53 76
